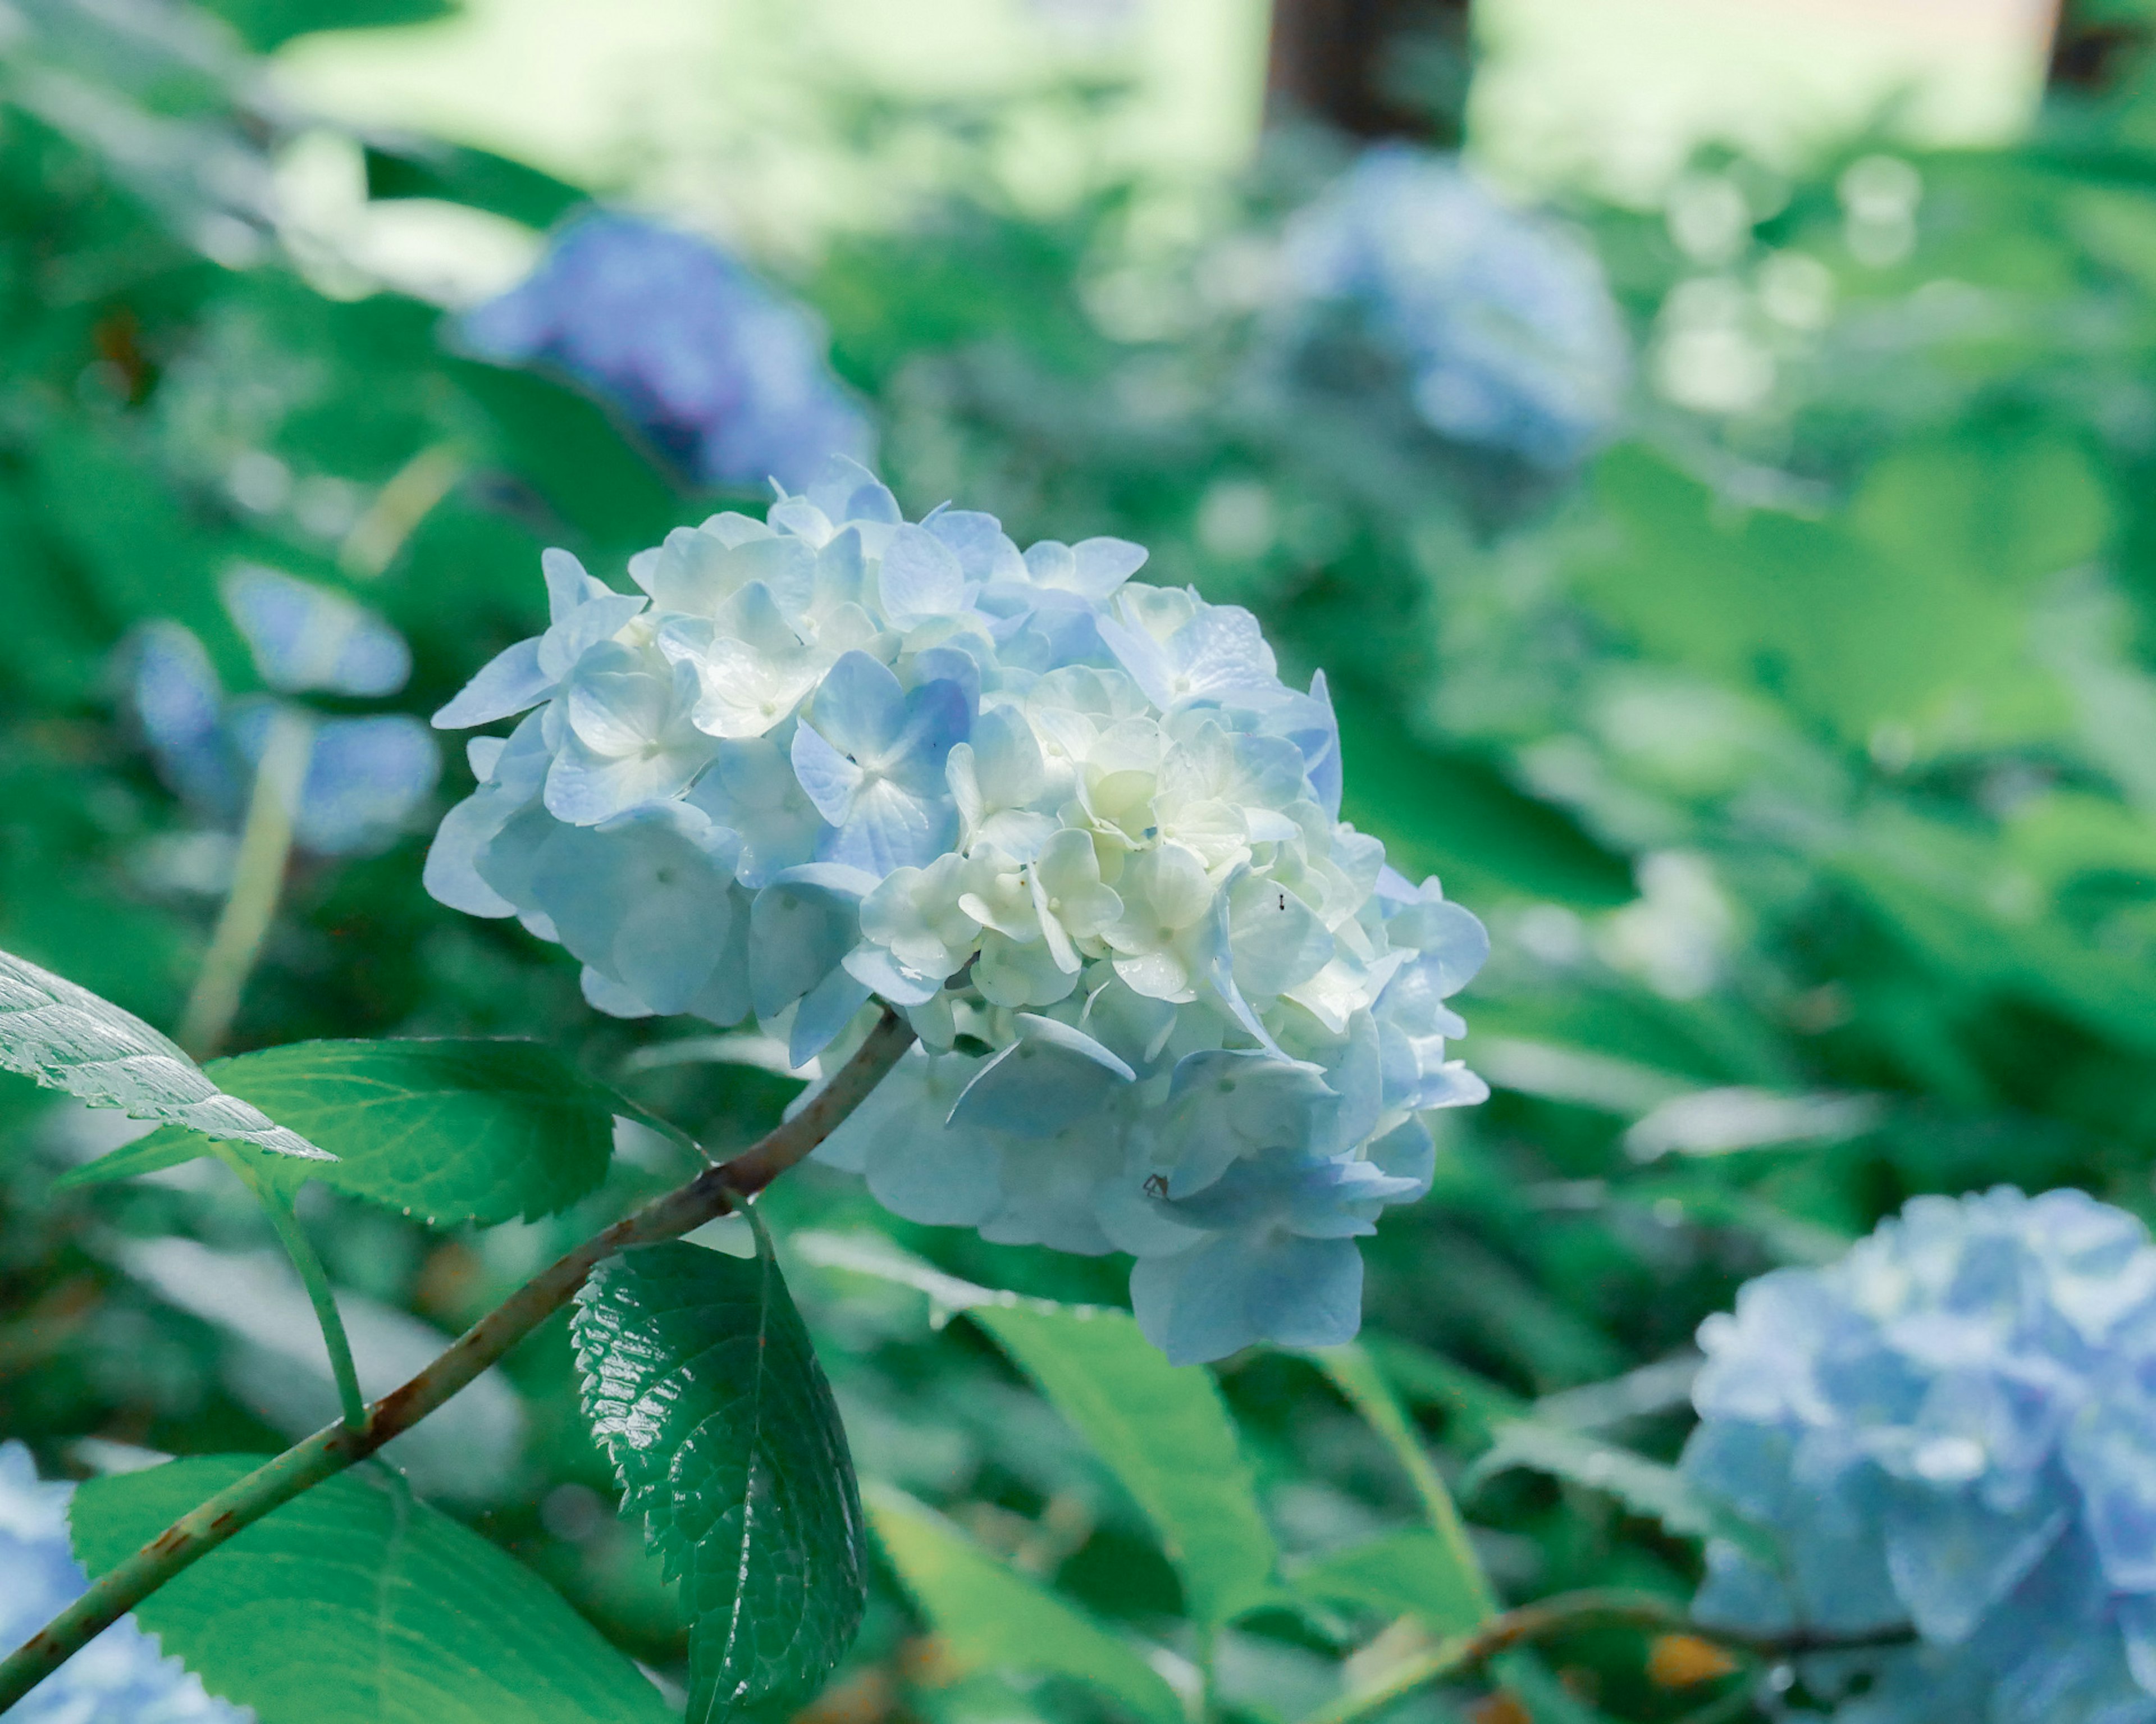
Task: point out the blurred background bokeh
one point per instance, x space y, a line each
1710 445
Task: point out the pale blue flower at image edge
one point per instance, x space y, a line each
119 1678
1074 826
1508 331
726 379
1952 1428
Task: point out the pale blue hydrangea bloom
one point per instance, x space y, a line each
365 776
728 380
1074 826
1506 327
1955 1428
119 1678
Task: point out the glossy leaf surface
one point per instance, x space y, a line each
67 1038
701 1384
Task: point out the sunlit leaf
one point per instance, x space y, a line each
67 1038
450 1130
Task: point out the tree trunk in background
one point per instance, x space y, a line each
2096 43
1373 68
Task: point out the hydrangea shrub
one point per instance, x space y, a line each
1075 828
119 1678
1953 1428
1504 321
727 379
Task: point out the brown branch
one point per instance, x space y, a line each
714 1193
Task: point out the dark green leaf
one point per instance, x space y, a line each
428 168
355 1604
451 1131
992 1616
67 1038
265 24
701 1382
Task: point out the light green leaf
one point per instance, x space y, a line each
1162 1429
701 1383
1357 1377
1411 1573
356 1604
992 1616
451 1130
67 1038
1645 1487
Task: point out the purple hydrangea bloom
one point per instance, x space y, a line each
1952 1429
727 379
120 1677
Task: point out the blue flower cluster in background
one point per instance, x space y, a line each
1952 1429
364 775
120 1677
728 380
1074 826
1504 321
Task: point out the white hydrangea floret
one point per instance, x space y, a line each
1075 828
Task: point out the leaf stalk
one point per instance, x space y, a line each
716 1192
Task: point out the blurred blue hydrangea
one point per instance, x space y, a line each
730 381
120 1677
1075 828
364 776
1505 326
1954 1429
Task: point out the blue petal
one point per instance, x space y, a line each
509 683
921 577
827 776
1050 1078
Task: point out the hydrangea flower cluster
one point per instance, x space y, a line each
1074 826
1507 328
119 1678
729 381
364 775
1952 1428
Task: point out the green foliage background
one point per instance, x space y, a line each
1802 757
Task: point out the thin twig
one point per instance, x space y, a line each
258 881
716 1192
1549 1616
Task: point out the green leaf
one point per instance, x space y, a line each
266 24
1357 1377
1645 1487
67 1038
1162 1429
451 1131
701 1383
1411 1573
356 1604
991 1615
427 167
